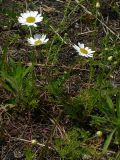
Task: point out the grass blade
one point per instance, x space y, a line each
108 140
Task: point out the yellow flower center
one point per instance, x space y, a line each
83 50
38 42
30 19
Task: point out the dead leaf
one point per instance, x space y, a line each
48 9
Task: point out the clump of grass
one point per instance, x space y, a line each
19 80
72 145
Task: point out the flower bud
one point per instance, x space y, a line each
115 62
33 141
111 76
98 4
106 49
110 58
99 133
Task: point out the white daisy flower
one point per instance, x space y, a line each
30 18
37 40
83 51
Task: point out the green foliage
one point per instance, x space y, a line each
14 39
107 141
80 107
29 155
54 50
117 156
108 119
72 146
19 81
8 12
55 86
74 108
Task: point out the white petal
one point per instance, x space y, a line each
43 37
45 41
81 45
21 20
38 19
91 51
31 40
86 48
33 13
34 25
31 24
85 55
28 13
25 15
75 46
39 16
37 36
78 50
90 55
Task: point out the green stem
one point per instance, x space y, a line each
26 5
30 31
